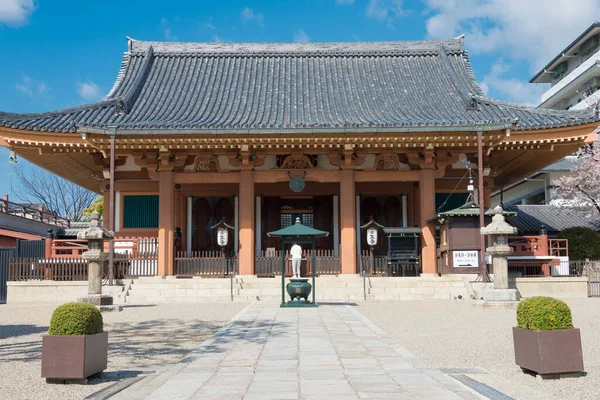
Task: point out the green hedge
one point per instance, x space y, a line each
72 319
544 314
583 243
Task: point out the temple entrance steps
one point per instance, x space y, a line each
328 288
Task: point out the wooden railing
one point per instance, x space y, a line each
372 266
268 263
133 266
76 269
137 247
204 263
33 213
55 269
528 245
559 247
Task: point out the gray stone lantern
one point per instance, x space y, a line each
499 230
96 256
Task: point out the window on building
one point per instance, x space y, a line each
290 219
140 211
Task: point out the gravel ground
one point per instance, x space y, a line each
141 338
458 335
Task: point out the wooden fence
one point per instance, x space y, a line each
267 263
76 269
204 263
132 266
376 266
55 269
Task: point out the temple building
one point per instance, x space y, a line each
260 134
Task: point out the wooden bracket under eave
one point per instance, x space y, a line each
592 137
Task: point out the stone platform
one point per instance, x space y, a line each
330 352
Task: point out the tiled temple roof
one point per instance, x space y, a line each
296 87
531 218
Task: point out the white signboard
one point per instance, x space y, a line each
222 237
372 236
465 259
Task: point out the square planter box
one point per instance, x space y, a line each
548 352
74 357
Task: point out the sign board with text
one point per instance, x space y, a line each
465 259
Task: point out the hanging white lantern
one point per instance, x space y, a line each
372 236
222 237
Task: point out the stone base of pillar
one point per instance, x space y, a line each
501 295
104 302
496 304
97 299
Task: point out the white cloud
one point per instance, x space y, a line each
166 26
301 37
15 12
516 90
385 10
217 39
88 90
248 14
530 30
345 1
31 87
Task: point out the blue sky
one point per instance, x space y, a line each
59 54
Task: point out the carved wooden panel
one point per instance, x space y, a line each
298 161
206 163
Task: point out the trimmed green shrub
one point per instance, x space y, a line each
583 243
73 319
542 313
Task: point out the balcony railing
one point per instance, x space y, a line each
33 213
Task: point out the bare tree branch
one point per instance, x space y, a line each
56 194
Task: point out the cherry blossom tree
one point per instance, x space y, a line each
581 188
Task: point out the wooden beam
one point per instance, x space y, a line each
273 176
205 177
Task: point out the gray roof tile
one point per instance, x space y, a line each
530 218
290 87
563 165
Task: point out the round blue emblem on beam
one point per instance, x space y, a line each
297 184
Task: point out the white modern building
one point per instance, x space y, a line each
537 189
574 74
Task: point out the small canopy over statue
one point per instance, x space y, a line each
298 233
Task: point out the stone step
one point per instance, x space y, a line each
142 299
183 292
188 282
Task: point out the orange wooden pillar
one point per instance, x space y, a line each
348 222
166 222
427 210
246 223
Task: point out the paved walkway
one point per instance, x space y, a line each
330 352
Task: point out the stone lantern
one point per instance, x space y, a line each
499 230
96 256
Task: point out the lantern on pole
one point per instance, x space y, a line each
222 237
372 236
222 229
372 231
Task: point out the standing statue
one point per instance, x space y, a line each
296 253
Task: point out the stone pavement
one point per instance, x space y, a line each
330 352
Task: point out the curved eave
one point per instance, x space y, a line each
276 131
